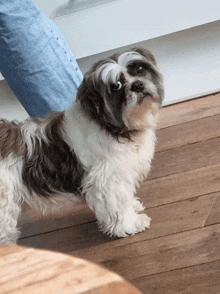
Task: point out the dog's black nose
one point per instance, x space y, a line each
137 86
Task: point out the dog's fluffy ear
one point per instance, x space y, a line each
93 99
89 97
146 53
92 95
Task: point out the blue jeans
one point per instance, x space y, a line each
35 59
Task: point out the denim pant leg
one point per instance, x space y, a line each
35 59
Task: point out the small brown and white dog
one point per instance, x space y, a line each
100 147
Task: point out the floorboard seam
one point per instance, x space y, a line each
177 269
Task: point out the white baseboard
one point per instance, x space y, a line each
168 103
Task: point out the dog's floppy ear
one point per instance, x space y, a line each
93 99
88 96
146 53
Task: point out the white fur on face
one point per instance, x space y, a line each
127 57
109 72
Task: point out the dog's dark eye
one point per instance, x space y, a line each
137 69
116 87
140 70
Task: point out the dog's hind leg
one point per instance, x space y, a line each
10 200
9 212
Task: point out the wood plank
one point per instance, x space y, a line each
185 158
167 219
152 256
201 279
159 255
180 186
214 215
64 213
189 110
68 239
188 133
178 217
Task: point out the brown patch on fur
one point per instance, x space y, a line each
11 139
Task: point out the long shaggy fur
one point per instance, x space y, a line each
101 147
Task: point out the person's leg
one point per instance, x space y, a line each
35 59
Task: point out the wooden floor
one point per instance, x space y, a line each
180 253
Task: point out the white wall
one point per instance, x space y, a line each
122 22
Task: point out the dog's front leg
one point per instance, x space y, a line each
110 195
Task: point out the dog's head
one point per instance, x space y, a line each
119 91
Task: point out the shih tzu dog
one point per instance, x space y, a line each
101 147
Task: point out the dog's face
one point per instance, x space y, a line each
119 91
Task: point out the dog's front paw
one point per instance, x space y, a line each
131 224
144 222
137 205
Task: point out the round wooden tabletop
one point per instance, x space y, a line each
28 270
